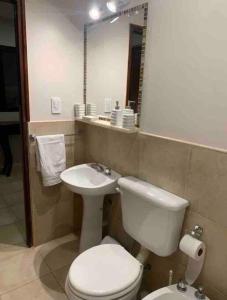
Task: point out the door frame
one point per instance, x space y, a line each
21 46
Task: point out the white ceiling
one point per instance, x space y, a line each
75 10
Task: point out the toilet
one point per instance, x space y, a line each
153 217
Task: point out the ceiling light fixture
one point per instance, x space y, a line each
114 20
94 13
111 5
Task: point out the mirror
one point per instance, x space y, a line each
114 60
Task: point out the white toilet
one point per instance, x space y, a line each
153 217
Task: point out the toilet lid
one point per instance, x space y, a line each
104 270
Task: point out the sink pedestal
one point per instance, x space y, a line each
88 181
91 232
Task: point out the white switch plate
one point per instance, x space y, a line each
56 105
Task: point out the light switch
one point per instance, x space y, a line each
56 105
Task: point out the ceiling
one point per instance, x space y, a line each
75 10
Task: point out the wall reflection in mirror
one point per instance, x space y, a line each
114 61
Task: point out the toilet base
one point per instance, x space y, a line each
132 295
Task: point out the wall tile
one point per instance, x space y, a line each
96 145
123 152
54 127
206 183
195 173
53 208
164 163
215 238
116 229
78 211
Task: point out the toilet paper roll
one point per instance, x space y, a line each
192 247
196 251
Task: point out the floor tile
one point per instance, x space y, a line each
2 202
14 198
60 252
45 288
18 211
11 235
22 228
6 216
7 251
21 269
61 275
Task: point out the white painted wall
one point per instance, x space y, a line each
185 89
55 59
107 60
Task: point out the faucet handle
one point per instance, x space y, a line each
199 294
182 286
107 171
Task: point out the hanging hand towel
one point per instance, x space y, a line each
51 158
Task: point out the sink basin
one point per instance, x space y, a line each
171 293
85 180
93 186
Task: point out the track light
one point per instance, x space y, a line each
94 13
114 20
111 5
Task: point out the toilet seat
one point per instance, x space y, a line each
104 272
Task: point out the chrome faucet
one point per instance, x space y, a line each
199 294
97 167
182 286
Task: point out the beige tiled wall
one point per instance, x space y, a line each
196 173
55 210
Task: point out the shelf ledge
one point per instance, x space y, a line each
106 124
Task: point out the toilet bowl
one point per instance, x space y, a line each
105 272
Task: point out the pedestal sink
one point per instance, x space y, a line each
93 185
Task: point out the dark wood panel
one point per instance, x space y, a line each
21 46
25 112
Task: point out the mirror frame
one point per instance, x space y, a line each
108 18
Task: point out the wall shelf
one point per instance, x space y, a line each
106 124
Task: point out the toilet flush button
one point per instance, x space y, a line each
56 105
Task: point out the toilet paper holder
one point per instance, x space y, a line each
197 232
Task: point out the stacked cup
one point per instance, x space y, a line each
79 110
116 117
128 119
91 109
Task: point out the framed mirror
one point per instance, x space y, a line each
114 50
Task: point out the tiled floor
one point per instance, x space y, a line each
37 273
12 216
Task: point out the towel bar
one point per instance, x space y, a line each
32 137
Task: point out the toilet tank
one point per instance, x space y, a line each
152 216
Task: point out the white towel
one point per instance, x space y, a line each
51 158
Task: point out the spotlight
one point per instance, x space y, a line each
114 20
94 13
111 5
